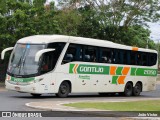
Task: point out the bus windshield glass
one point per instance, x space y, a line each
22 61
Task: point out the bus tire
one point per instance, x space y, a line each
137 89
64 90
128 89
36 95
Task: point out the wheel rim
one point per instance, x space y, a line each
129 90
137 89
63 89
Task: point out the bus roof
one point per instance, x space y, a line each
45 39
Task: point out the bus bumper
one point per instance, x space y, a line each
21 88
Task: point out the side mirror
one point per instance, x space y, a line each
4 51
39 53
67 58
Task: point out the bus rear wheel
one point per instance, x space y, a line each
64 90
35 95
137 89
128 89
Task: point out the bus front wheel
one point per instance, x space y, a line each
128 89
137 89
64 90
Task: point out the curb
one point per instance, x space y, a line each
61 107
37 107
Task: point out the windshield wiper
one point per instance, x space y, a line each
23 62
18 64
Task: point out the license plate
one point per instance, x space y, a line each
17 88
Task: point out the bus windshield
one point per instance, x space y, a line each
22 59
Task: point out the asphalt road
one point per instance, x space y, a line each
14 101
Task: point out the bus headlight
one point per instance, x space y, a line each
8 77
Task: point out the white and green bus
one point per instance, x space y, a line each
65 64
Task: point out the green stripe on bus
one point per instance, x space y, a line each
114 79
144 72
119 71
133 70
96 69
71 68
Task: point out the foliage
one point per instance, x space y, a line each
89 26
120 21
68 21
24 18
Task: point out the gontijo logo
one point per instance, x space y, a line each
88 69
91 69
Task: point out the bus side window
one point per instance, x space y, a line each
50 58
47 63
105 55
144 59
133 58
138 58
79 54
126 57
70 54
118 56
152 59
113 55
90 54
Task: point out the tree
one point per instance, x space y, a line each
89 26
68 21
23 18
120 21
119 12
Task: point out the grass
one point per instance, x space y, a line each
148 105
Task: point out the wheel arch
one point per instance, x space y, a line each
129 82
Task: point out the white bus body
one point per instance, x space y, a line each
116 68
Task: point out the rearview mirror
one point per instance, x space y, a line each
4 51
39 53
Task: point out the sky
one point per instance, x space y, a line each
153 27
155 31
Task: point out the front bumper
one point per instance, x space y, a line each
21 88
